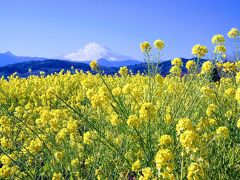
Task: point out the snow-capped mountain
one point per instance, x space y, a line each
104 55
95 51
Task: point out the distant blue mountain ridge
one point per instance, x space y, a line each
21 65
107 63
9 58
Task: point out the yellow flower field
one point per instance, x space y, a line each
127 126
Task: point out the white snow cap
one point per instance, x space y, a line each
96 51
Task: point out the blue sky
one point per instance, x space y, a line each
50 28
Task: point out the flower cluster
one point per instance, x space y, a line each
233 33
199 50
128 125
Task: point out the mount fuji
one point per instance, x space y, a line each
104 55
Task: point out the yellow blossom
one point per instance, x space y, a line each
238 78
136 165
123 71
75 162
237 96
5 171
88 137
177 62
190 64
229 93
6 143
57 176
117 91
159 44
189 140
218 39
220 49
6 160
184 124
165 140
168 118
207 67
35 146
199 50
147 174
147 111
72 126
233 33
163 157
133 121
176 70
238 123
114 119
93 64
211 109
58 155
195 171
228 67
222 132
145 46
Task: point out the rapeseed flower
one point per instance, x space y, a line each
228 67
199 50
5 171
229 93
177 62
168 118
147 111
88 137
159 44
114 119
238 78
218 39
237 96
190 64
133 121
238 123
147 174
195 171
35 146
59 155
222 132
163 157
6 160
93 64
184 124
176 70
57 176
220 49
136 165
145 47
211 109
233 33
165 140
75 162
189 140
123 71
207 67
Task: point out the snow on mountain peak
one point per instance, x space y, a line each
96 51
9 53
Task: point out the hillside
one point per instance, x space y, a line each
52 66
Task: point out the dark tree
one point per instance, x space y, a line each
215 76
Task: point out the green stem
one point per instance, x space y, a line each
181 166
